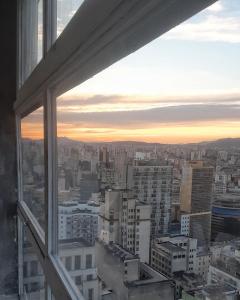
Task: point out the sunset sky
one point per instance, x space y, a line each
183 87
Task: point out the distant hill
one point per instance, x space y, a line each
227 143
221 143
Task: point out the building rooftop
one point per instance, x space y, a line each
74 243
213 291
117 250
169 246
148 276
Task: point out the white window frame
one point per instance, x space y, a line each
120 27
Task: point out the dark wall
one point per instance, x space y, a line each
8 246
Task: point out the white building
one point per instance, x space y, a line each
185 224
78 258
78 221
175 254
201 263
126 221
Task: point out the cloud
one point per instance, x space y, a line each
89 100
210 29
182 114
118 102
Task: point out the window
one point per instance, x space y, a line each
77 262
33 268
65 11
68 263
32 36
33 164
89 261
34 280
90 294
89 277
78 280
70 128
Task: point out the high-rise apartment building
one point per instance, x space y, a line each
196 198
126 221
152 184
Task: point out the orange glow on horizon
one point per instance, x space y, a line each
171 134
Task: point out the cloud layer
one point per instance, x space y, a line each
152 117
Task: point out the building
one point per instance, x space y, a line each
78 221
173 254
126 221
211 292
40 60
185 282
220 184
152 184
125 277
78 258
201 263
168 258
225 264
196 198
185 224
226 215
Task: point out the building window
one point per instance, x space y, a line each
88 261
90 294
89 277
77 265
78 280
34 268
68 263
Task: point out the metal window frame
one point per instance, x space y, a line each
120 27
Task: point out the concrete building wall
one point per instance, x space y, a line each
106 263
200 228
186 189
8 182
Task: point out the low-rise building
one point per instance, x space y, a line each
225 264
123 276
166 256
211 292
78 258
201 263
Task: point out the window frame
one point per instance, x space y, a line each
120 27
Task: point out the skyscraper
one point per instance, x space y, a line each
152 184
195 199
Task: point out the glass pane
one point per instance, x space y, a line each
65 11
78 188
33 277
32 35
33 173
135 146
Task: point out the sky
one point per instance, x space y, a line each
182 87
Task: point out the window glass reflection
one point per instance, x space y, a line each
33 277
65 11
33 174
32 35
